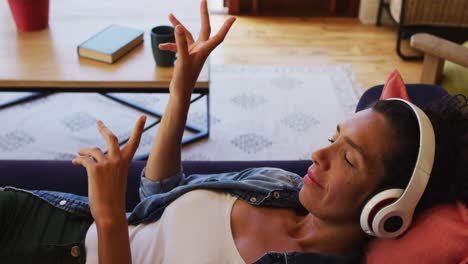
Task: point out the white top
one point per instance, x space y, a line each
195 228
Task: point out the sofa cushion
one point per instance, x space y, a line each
438 235
395 87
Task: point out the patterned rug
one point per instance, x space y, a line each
257 113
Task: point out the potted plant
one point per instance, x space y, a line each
30 15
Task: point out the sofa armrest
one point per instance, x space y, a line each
441 48
436 51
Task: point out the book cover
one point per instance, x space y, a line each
111 43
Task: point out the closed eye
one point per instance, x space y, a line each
349 162
331 140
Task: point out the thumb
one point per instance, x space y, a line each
181 41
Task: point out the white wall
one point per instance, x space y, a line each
368 12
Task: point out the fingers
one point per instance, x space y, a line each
84 161
205 21
219 37
175 22
168 46
93 153
91 156
130 148
111 140
181 41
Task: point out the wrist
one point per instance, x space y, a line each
180 100
111 219
181 90
111 225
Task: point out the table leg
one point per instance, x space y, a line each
23 99
200 133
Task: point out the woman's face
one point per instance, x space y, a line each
347 171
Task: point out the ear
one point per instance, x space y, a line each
395 87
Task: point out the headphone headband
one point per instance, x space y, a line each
389 213
425 159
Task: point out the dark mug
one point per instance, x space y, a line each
159 35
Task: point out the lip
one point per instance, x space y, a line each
311 179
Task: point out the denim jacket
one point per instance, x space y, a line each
269 187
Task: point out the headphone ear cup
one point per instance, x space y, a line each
374 205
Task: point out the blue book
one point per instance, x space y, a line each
111 43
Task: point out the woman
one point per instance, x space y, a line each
262 215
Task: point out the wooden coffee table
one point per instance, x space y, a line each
46 61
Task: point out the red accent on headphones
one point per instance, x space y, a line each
376 208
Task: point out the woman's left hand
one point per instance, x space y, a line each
107 173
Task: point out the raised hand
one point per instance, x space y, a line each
165 157
107 173
191 54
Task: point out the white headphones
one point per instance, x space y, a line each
389 213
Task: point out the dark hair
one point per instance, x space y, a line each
449 177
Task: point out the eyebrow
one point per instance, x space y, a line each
353 144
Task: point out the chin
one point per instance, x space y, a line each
306 199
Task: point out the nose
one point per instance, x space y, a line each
321 158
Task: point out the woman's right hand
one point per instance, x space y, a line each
107 173
191 54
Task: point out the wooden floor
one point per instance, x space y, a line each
315 41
